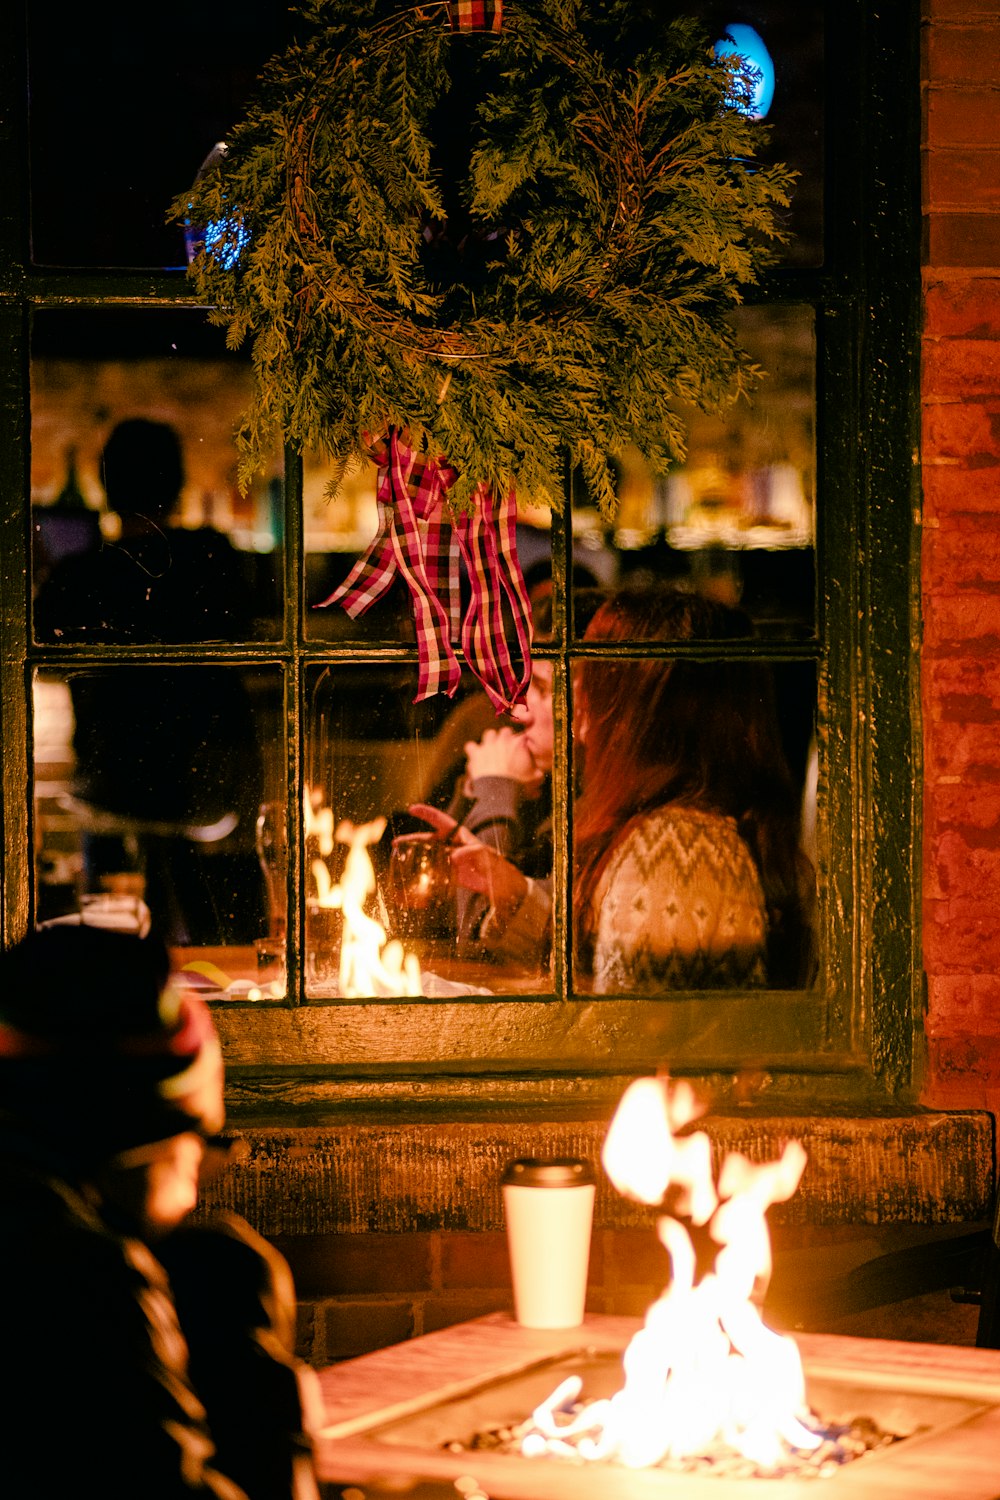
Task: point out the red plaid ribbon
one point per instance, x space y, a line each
488 545
416 538
475 15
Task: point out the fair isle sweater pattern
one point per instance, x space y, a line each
680 906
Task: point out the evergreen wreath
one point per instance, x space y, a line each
519 246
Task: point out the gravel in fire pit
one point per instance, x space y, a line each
840 1445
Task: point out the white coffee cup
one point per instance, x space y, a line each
549 1210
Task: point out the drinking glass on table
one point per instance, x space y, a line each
421 888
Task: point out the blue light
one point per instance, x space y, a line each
226 239
743 41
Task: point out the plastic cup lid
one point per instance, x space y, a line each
550 1172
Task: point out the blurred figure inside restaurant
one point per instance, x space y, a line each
157 581
687 860
503 794
504 800
168 773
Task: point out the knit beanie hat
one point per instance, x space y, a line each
100 1050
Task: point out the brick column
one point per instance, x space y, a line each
961 550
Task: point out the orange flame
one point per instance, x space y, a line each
704 1369
369 965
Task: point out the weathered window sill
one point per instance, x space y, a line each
429 1167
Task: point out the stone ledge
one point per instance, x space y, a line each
914 1167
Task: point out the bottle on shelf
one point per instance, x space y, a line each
71 497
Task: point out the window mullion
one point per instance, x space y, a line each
295 719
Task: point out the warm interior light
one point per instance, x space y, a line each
370 965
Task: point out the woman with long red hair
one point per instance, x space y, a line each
687 866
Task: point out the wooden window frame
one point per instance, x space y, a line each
856 1035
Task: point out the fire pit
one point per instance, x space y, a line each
702 1393
854 1421
414 1410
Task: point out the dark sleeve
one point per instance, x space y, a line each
520 829
97 1396
493 816
236 1303
204 594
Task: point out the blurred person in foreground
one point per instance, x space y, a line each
146 1357
687 868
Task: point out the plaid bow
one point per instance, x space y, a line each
416 538
475 15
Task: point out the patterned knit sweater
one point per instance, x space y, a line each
679 906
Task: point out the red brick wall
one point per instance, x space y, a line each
359 1292
961 550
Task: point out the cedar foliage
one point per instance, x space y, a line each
521 247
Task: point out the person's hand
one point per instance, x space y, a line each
441 822
501 752
477 867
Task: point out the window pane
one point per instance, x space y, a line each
785 40
737 519
594 566
795 37
140 532
149 784
374 754
339 520
114 139
696 810
340 523
121 124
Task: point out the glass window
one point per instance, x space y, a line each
763 518
738 518
340 519
390 798
140 532
139 132
795 39
150 785
142 539
120 124
694 830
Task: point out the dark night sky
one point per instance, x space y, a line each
123 112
